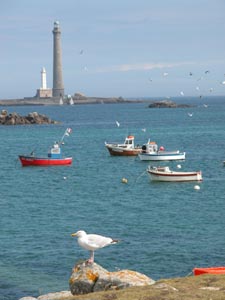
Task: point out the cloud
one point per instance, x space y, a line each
140 67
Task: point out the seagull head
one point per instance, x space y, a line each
79 233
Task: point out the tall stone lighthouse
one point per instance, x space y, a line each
58 87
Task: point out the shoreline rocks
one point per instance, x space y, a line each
93 278
16 119
188 287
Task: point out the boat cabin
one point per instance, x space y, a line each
129 141
150 147
55 151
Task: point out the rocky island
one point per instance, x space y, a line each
16 119
167 104
76 99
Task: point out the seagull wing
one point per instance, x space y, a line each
98 241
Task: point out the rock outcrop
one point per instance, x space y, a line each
16 119
93 278
167 104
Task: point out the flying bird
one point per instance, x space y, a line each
81 51
118 124
190 73
206 71
165 74
92 242
143 129
182 93
190 114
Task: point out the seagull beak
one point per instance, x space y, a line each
73 234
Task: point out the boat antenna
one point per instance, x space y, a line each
66 133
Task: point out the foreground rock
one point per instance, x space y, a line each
93 278
167 104
188 288
52 296
31 118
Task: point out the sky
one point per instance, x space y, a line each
115 48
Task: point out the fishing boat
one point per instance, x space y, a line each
126 149
151 151
54 158
211 270
165 174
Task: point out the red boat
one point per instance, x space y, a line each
211 270
54 157
39 161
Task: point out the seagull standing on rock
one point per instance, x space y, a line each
92 242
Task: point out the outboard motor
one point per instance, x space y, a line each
144 148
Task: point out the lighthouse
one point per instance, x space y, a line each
43 79
58 87
44 92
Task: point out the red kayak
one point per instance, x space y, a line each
212 270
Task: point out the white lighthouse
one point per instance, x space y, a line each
43 79
44 92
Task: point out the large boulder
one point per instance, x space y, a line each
88 278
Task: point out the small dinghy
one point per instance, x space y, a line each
165 174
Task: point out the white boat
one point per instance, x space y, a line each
151 151
165 174
71 101
60 101
126 149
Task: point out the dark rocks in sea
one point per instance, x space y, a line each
16 119
167 104
88 278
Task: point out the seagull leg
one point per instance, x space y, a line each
91 259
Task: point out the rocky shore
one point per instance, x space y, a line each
77 100
16 119
92 282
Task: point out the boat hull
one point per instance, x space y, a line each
212 270
161 156
119 151
42 162
174 176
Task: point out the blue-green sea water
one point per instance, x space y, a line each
166 229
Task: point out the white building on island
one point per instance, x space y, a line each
44 92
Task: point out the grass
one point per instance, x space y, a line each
204 287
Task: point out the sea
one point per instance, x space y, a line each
165 229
